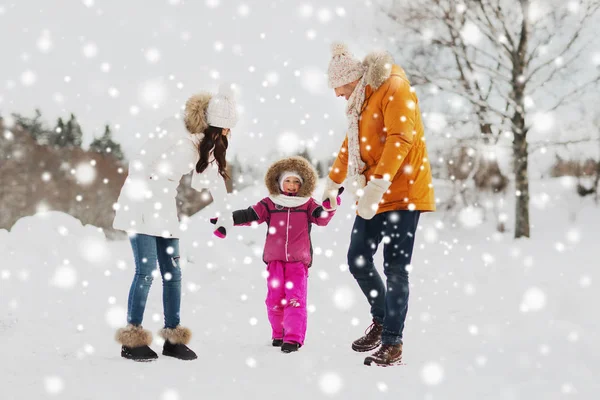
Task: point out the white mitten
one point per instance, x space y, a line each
373 193
330 193
357 183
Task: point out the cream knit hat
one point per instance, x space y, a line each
286 175
221 111
343 67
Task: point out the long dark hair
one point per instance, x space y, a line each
214 141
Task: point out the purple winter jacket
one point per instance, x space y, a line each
288 234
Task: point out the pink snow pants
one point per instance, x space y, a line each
286 300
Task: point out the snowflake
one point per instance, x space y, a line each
28 78
432 373
90 50
44 42
330 383
152 55
343 298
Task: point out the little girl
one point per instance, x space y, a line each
289 211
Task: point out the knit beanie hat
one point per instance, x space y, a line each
286 175
221 111
343 67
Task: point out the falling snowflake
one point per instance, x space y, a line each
152 55
324 15
53 384
251 362
470 33
330 383
244 10
313 80
534 299
28 78
306 10
170 394
432 374
113 92
85 173
94 250
44 42
153 93
288 143
115 316
343 298
90 50
471 217
64 277
213 3
543 121
436 122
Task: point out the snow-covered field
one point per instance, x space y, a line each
489 318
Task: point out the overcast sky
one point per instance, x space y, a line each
132 63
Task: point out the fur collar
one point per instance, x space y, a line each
378 66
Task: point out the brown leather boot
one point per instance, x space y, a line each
387 354
371 339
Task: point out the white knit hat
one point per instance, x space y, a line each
286 175
221 111
343 67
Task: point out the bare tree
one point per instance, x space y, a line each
499 54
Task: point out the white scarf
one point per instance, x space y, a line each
289 201
356 165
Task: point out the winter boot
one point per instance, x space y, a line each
387 354
277 342
175 343
371 339
290 347
134 343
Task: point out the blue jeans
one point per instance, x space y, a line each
388 306
147 251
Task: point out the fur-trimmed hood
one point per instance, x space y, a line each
378 68
298 164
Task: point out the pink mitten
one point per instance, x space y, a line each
338 199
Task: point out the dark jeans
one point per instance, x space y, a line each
147 252
397 230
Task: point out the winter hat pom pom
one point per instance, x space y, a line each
339 48
226 90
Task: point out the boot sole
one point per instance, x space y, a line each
369 361
140 359
164 353
364 349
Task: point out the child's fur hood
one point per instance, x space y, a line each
298 164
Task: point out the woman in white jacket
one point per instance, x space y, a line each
147 211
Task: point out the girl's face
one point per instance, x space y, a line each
291 185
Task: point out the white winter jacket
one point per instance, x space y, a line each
147 201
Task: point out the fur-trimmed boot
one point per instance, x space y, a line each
135 342
176 340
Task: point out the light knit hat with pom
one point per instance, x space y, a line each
343 67
221 111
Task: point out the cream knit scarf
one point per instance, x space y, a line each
356 166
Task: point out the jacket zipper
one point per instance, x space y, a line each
287 231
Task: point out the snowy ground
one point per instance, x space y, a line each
489 318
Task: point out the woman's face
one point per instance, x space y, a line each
226 132
291 185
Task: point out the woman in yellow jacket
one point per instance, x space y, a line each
385 163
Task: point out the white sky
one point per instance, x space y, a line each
142 44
